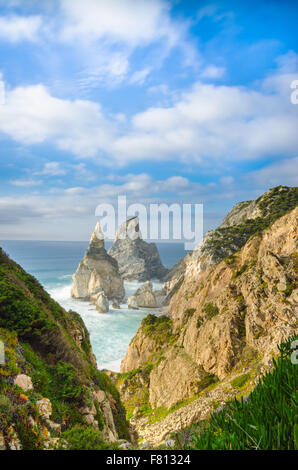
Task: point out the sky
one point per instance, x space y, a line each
163 101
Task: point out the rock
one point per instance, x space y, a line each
170 443
53 427
2 441
102 303
13 439
132 302
174 379
100 396
109 429
23 381
223 315
115 304
97 272
160 297
143 297
137 259
89 419
145 445
124 445
44 408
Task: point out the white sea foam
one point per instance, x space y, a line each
110 333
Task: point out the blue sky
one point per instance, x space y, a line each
162 101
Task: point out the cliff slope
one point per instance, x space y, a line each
50 388
226 319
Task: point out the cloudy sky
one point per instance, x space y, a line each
158 100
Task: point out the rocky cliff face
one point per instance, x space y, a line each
137 259
225 318
49 383
242 222
97 272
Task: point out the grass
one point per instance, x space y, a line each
240 381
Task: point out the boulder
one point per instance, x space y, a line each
102 303
115 304
23 381
44 408
132 302
97 272
145 296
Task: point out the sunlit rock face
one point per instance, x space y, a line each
137 259
97 272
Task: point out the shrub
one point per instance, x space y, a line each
158 328
81 438
210 310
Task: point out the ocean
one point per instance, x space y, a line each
53 264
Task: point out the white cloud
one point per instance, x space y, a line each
208 123
51 169
18 28
140 76
284 172
31 115
126 21
26 183
212 71
217 122
109 31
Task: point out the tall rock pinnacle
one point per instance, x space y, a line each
137 259
97 272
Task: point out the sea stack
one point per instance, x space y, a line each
97 272
137 260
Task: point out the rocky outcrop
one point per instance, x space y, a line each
226 317
242 222
137 260
97 272
143 297
101 301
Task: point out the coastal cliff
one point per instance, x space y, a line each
137 260
98 272
51 394
233 301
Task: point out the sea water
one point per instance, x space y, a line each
53 264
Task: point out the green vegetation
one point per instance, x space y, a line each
210 310
38 336
159 329
240 381
275 204
80 438
189 312
267 420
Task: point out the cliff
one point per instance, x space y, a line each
97 272
137 260
51 393
227 315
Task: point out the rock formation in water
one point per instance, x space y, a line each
145 297
234 302
97 272
137 260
